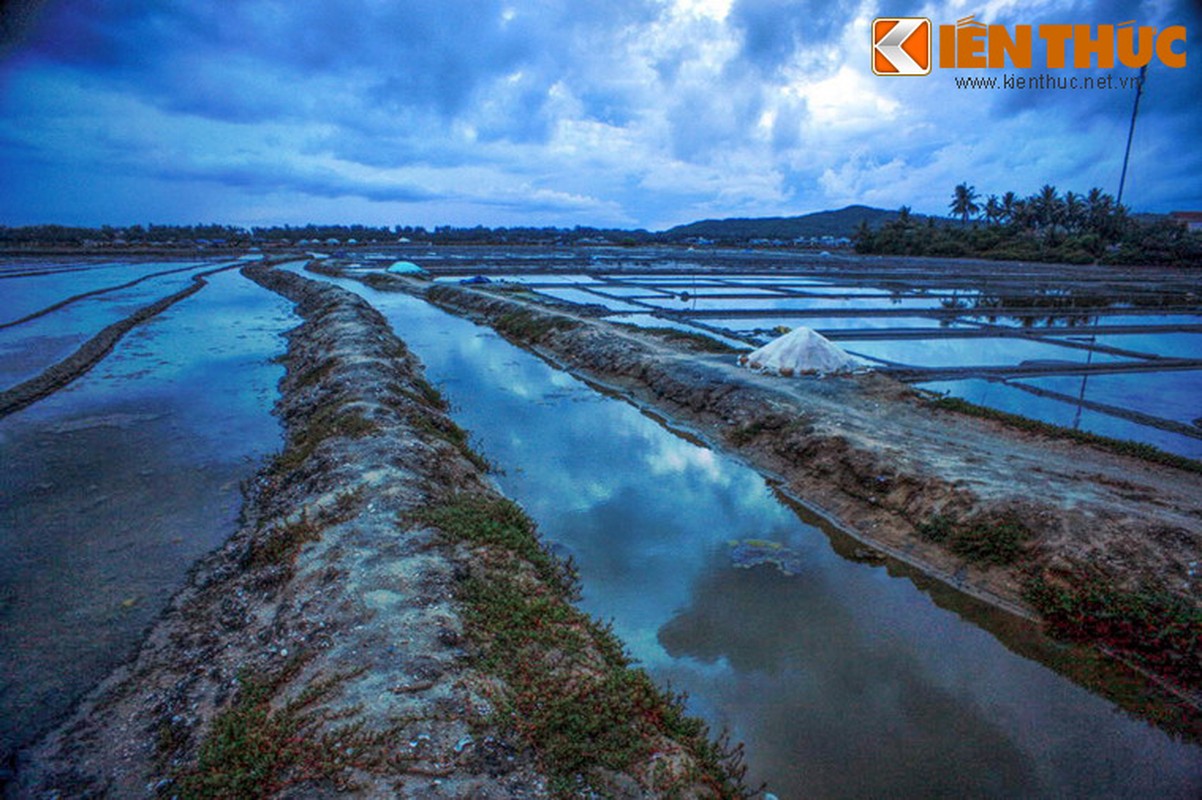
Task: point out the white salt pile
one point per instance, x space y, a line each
799 352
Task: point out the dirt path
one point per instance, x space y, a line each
382 624
996 511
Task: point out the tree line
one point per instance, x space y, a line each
238 236
1045 226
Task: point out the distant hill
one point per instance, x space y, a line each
821 223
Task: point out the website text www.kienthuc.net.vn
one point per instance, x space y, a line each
1045 82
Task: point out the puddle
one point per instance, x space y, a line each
1166 345
649 321
843 679
1175 395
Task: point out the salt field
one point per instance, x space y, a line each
845 675
929 330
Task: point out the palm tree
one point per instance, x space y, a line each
1074 212
1021 213
1101 213
993 210
1010 203
1047 207
964 202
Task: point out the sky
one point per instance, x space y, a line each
607 113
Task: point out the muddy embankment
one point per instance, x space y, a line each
1101 546
382 623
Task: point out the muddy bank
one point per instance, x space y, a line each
1100 545
383 622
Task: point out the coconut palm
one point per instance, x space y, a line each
1010 203
1047 207
1074 212
964 202
993 210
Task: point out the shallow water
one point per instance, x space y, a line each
843 679
985 351
649 321
25 294
588 298
824 323
874 304
28 348
818 304
1014 400
115 485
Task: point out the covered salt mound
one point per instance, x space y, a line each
798 352
406 268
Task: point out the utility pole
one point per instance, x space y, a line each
1139 91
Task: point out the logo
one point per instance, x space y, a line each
901 46
904 45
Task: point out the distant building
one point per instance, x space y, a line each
1192 219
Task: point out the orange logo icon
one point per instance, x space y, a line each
901 46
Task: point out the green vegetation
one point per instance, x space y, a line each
529 326
694 341
429 394
316 375
327 423
821 223
281 543
1159 630
570 691
1073 228
255 751
774 422
981 542
445 428
498 522
1139 450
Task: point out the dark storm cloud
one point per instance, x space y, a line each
774 31
652 111
1176 86
17 17
432 54
277 178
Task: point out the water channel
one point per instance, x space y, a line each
844 679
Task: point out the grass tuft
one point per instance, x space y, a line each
282 543
498 522
998 542
254 750
698 342
325 424
571 693
1161 631
530 326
